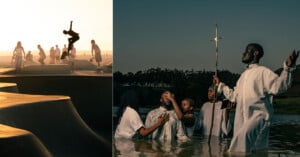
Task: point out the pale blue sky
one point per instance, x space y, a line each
176 33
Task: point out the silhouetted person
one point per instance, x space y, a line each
29 57
64 53
74 36
96 49
18 55
57 54
42 54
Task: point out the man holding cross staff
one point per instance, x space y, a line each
214 117
253 96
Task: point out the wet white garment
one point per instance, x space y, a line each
129 124
220 128
253 96
172 129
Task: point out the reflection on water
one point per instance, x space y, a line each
284 141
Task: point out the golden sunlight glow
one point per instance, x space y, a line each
42 21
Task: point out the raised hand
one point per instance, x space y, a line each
291 60
216 80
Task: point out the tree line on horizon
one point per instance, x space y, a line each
150 83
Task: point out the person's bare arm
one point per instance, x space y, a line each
177 110
71 25
161 120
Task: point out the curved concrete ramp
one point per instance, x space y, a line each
18 142
55 121
44 69
9 87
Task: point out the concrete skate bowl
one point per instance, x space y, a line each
18 142
54 121
90 95
8 87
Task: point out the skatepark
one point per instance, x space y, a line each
50 111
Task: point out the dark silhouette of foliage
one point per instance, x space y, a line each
150 83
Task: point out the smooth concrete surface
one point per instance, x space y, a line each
91 95
54 120
8 87
17 142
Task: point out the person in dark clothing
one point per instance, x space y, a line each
74 37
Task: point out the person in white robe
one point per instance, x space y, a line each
222 124
130 123
18 55
173 128
253 96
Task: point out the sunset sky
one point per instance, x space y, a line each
42 22
176 33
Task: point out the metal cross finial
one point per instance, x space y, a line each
216 40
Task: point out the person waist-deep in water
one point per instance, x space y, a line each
253 95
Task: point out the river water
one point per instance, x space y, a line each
284 141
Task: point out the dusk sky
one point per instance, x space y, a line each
42 22
176 34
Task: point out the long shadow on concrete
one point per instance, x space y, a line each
55 121
91 96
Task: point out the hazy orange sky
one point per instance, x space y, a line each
42 22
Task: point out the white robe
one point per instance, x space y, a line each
253 96
129 124
172 129
219 125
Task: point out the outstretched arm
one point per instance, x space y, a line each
229 93
71 25
276 85
161 120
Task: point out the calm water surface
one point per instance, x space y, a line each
284 141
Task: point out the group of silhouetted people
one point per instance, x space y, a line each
66 56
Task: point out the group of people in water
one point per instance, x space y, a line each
251 99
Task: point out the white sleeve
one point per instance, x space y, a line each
229 93
136 121
275 84
226 128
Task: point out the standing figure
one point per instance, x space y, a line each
18 55
64 54
41 54
74 36
96 49
221 125
52 55
57 54
73 52
253 96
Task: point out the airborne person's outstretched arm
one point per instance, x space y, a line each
70 25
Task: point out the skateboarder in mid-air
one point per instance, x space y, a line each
74 37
